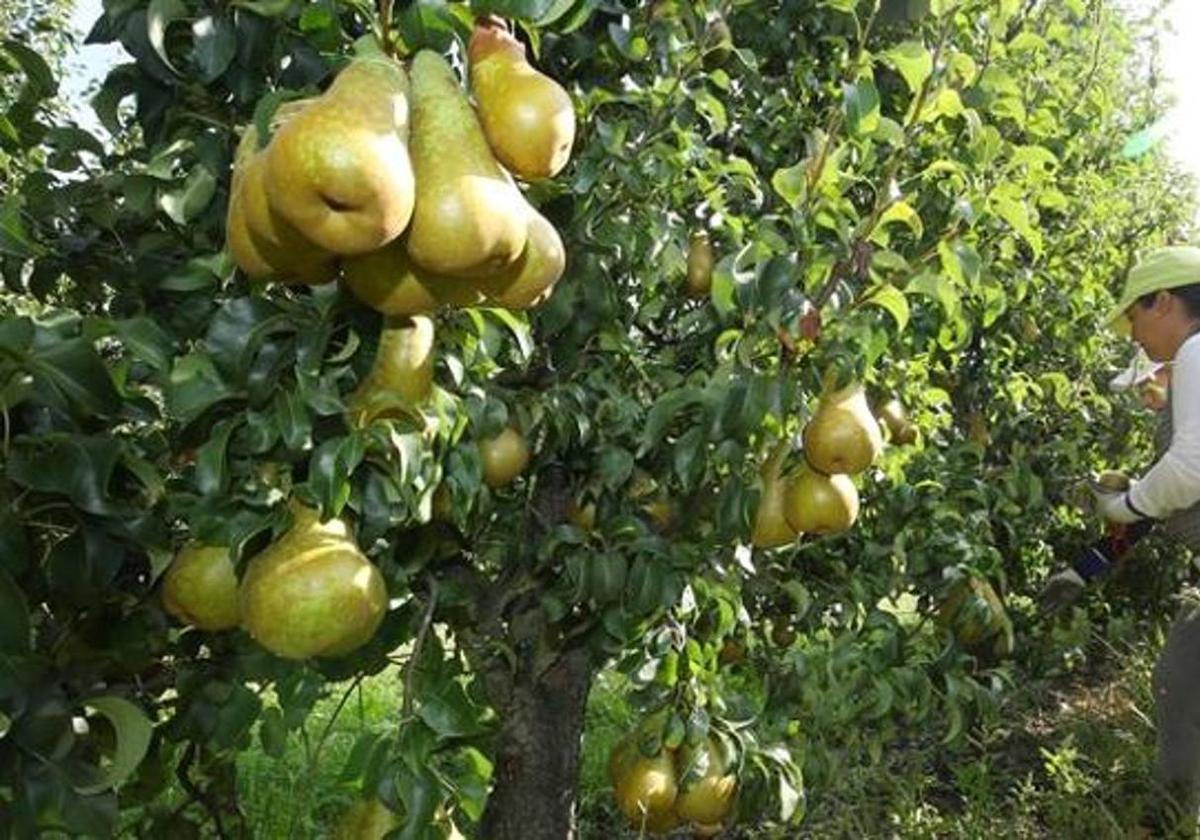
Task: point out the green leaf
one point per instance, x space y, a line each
41 84
449 712
861 106
1009 203
146 341
893 300
265 8
912 61
273 732
211 476
160 14
14 617
14 237
133 731
73 371
663 413
215 45
186 202
329 471
72 465
901 211
791 183
530 10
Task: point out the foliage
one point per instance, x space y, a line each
941 181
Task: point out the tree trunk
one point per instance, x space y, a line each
537 753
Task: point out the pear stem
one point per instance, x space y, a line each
385 27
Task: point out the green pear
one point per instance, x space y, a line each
527 117
815 503
312 592
699 264
843 436
771 528
366 819
532 278
708 799
389 282
402 374
504 457
200 588
340 170
470 220
901 430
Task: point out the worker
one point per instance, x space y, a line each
1160 309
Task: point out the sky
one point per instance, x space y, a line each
1181 64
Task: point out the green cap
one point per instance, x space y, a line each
1159 270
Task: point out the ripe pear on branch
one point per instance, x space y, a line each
843 436
402 375
771 528
707 787
263 243
340 170
532 278
815 503
312 592
901 430
527 117
200 587
504 457
389 282
700 259
470 220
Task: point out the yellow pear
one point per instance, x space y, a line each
532 278
389 282
340 170
815 503
402 374
709 799
527 117
699 264
367 819
200 588
290 256
843 436
470 219
504 457
901 430
312 592
646 792
771 528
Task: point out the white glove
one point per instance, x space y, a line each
1114 506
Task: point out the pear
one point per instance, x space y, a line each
340 170
470 219
707 800
312 592
646 792
402 375
504 457
527 117
290 255
843 436
901 430
389 282
771 528
200 587
532 278
815 503
699 264
366 819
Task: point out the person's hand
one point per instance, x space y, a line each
1114 506
1062 589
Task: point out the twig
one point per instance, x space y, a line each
316 752
181 773
410 675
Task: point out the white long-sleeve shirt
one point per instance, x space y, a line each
1173 483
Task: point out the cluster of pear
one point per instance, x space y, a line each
843 438
674 787
311 592
393 179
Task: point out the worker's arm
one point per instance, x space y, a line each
1173 483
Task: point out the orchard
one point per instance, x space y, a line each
676 405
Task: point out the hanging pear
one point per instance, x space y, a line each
286 252
402 374
843 436
707 800
815 503
470 219
532 278
901 430
504 457
200 587
771 528
699 264
340 170
527 116
312 592
389 282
